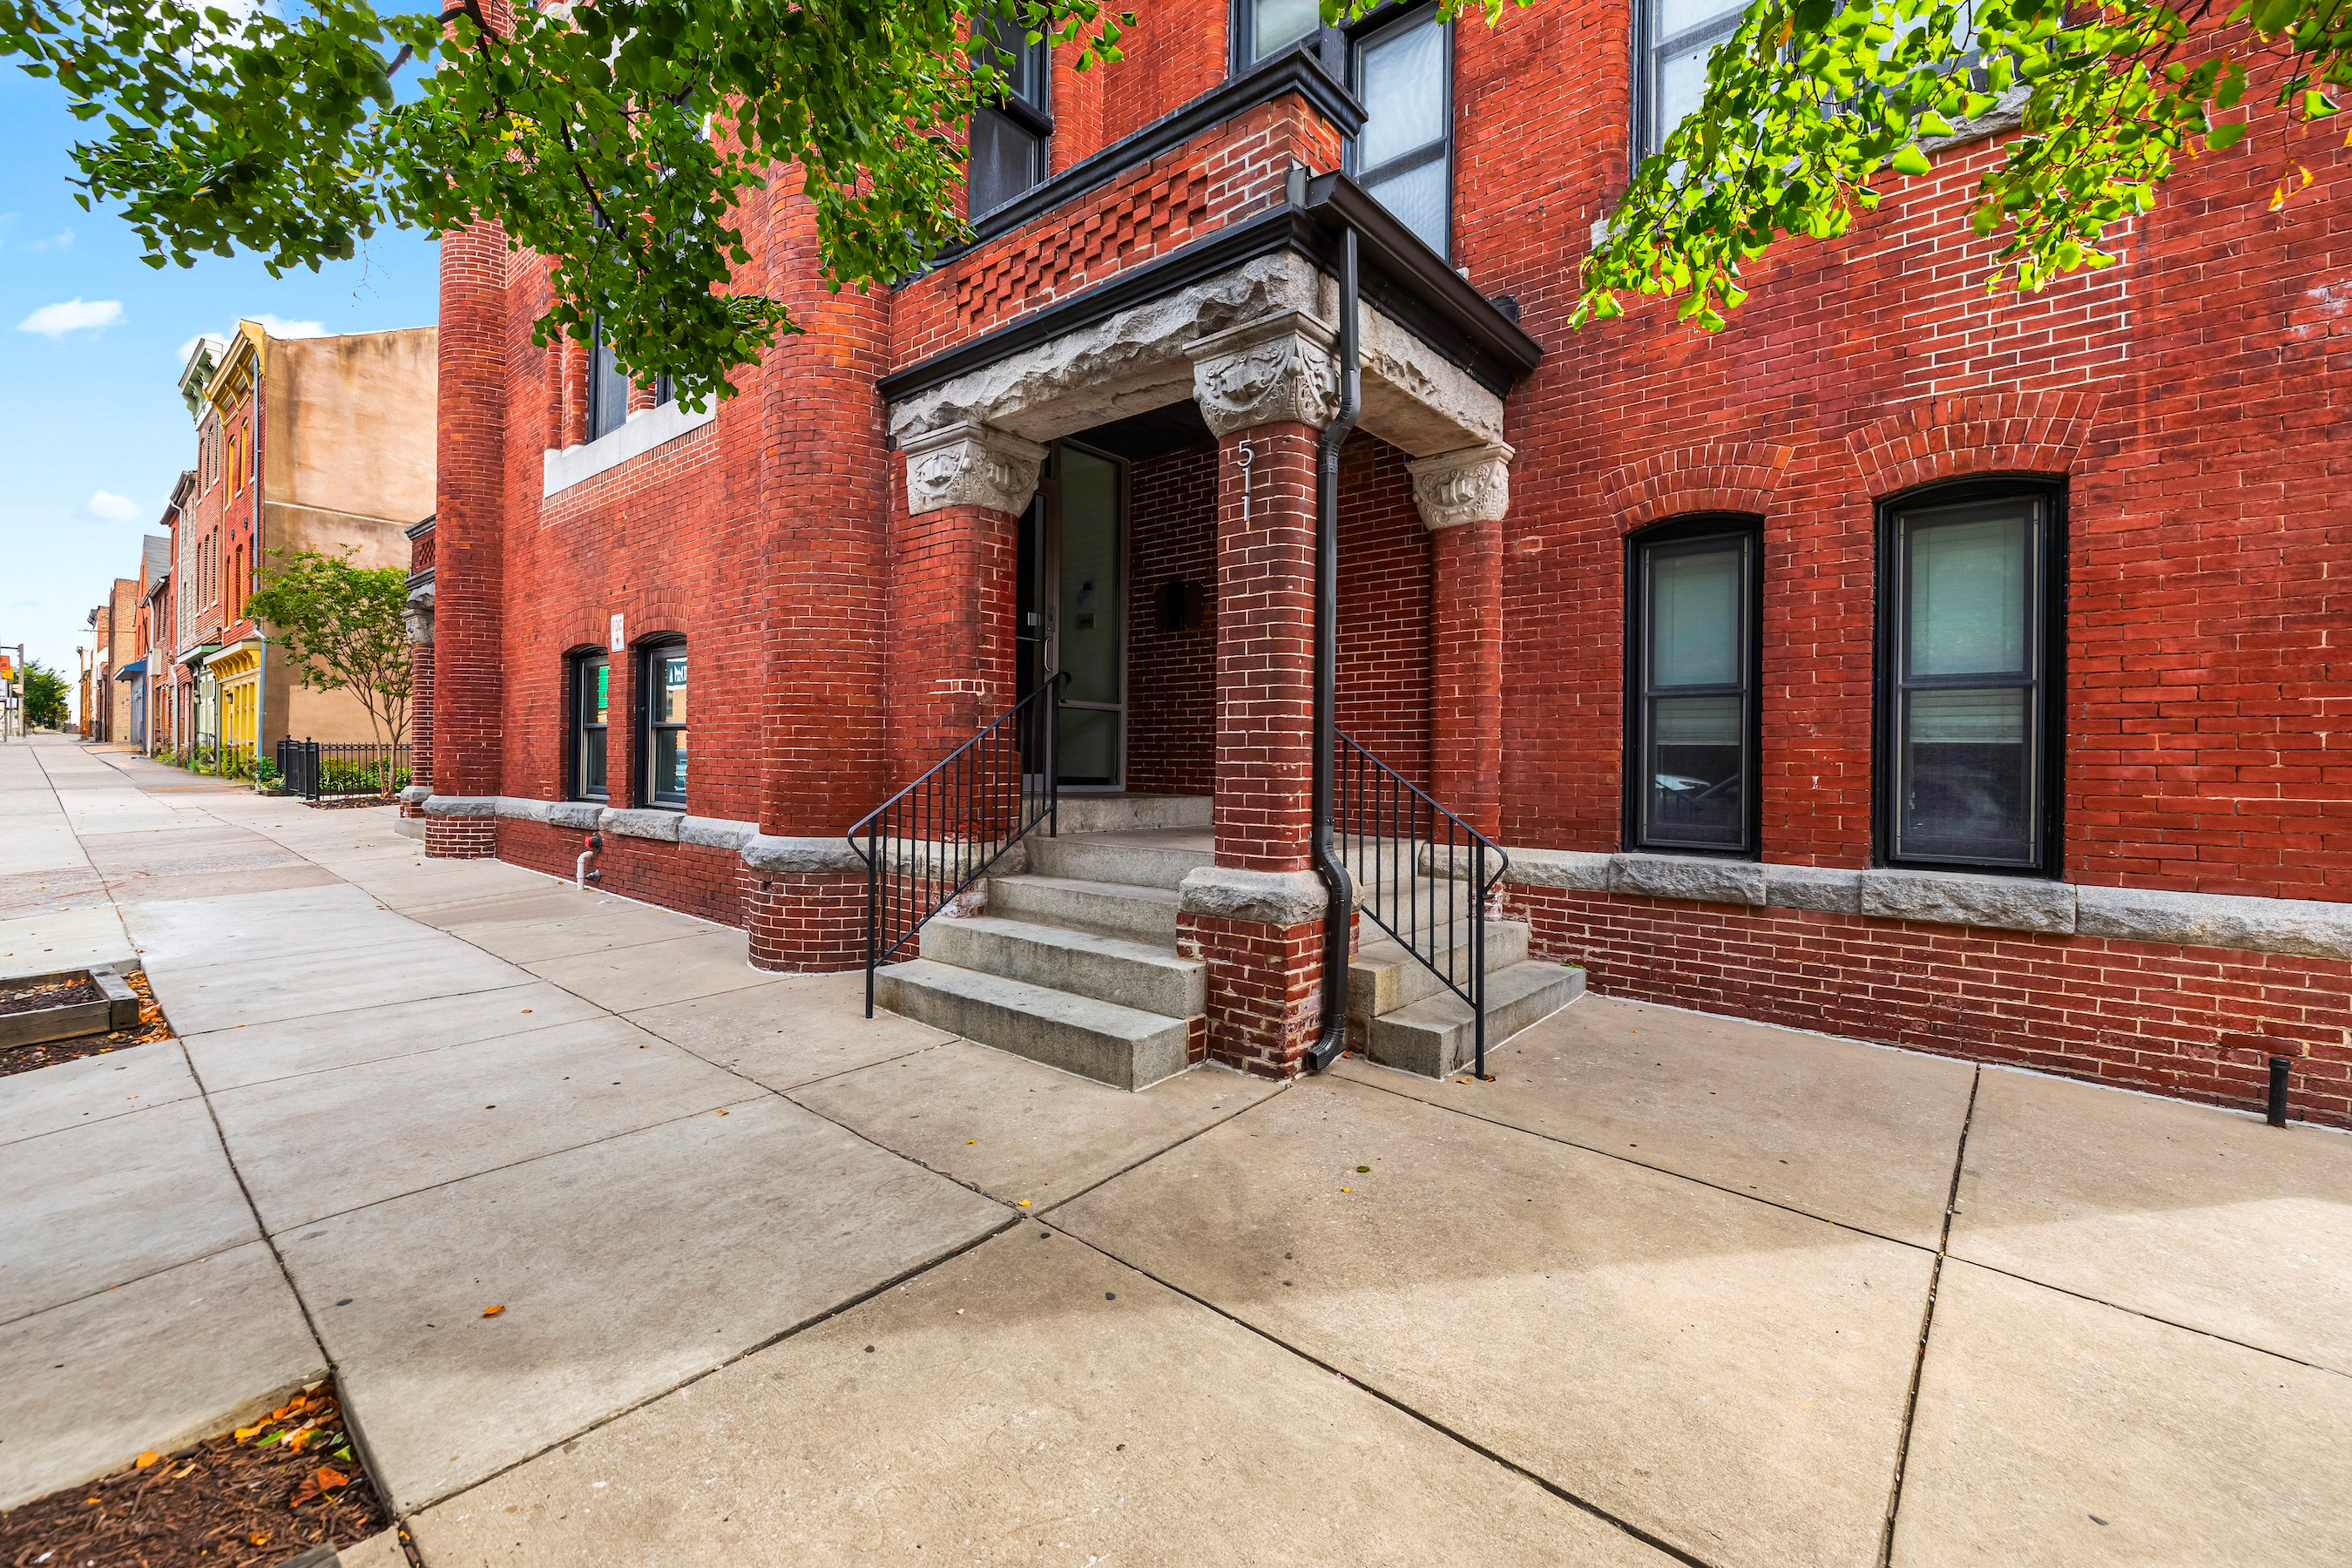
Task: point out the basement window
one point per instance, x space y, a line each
1969 616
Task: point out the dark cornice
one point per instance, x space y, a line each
1399 274
419 531
1295 70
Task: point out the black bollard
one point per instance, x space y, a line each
2278 1089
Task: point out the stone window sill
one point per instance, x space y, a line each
638 435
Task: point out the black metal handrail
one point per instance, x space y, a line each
924 845
1411 859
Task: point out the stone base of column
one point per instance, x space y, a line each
461 838
805 922
1265 1006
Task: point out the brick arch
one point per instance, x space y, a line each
1980 433
1707 475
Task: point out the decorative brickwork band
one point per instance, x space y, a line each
1276 370
1983 433
1709 475
1455 488
966 464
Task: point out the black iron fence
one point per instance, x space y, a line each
940 834
1422 873
317 769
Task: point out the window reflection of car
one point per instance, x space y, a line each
1683 785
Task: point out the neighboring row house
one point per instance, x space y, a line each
1957 670
322 443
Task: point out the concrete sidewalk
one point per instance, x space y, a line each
784 1285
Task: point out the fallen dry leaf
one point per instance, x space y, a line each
329 1478
494 1311
259 1538
149 1458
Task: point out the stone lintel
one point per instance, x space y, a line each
1959 898
1473 485
970 464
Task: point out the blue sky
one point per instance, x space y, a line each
95 429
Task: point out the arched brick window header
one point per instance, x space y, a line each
1982 434
1706 477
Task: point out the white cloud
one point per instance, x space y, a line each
61 240
279 327
108 507
181 357
54 321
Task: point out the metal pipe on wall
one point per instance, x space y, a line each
1338 906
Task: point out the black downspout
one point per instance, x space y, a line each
1339 907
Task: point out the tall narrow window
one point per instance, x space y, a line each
1692 688
1678 37
1966 625
1262 28
608 389
592 696
1404 76
1009 137
666 725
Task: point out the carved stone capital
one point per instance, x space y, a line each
1470 485
969 465
1277 369
417 614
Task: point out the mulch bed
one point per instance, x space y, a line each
18 997
261 1495
149 1028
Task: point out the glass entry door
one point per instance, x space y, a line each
1073 610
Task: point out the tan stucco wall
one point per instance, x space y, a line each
347 461
350 423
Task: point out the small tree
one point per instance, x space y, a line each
343 629
45 696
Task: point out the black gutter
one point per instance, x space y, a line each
1339 902
1295 70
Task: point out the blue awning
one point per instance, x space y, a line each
132 671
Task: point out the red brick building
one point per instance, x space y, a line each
1959 670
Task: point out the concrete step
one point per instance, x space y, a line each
1122 1046
1129 812
1415 909
1434 1036
1384 976
1147 914
1086 964
1131 861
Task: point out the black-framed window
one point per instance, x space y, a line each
1692 603
608 389
1670 79
1265 27
1403 73
1011 138
665 733
591 713
1970 596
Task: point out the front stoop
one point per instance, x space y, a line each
1075 964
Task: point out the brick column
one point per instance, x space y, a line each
1463 497
468 530
1266 388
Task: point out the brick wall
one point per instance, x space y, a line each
1171 676
1264 1006
2199 1023
693 877
1266 648
1385 609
